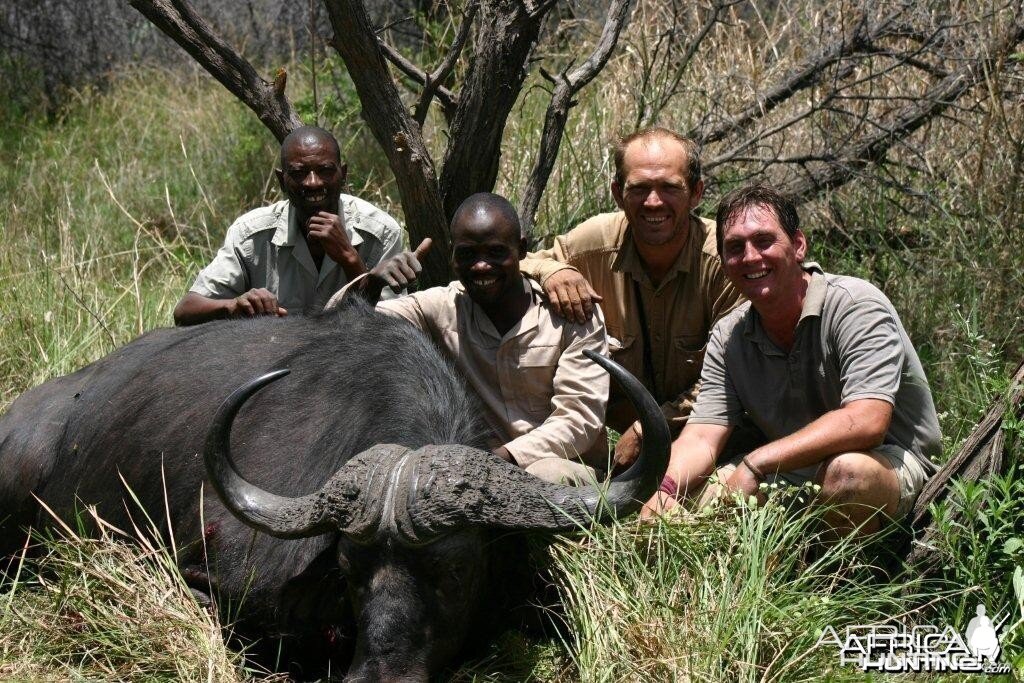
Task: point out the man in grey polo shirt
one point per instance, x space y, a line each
290 257
821 364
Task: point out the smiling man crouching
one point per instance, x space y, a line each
543 399
821 364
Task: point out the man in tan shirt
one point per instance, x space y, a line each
654 267
543 399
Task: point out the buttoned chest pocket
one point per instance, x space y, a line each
690 350
536 377
621 349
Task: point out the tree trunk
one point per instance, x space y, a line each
396 133
505 38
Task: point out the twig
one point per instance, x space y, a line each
566 85
85 305
433 81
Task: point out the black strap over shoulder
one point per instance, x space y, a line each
646 336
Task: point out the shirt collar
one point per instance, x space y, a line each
628 259
814 298
288 234
814 303
528 322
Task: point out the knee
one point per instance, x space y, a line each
845 478
564 472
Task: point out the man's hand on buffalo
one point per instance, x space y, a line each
571 295
257 301
627 449
328 230
397 272
195 308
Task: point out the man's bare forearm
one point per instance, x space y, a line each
858 426
694 454
194 309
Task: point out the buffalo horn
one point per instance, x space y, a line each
454 486
631 489
279 516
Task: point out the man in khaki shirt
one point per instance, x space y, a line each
654 267
543 399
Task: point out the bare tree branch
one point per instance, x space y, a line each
418 75
395 131
567 84
433 81
808 74
505 38
179 21
906 120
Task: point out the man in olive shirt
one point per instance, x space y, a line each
655 269
290 257
821 364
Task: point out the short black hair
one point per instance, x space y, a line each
761 195
490 203
310 134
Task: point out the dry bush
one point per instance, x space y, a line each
113 607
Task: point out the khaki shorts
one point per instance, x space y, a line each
909 472
564 472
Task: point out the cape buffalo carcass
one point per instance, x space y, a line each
353 492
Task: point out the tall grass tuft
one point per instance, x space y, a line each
739 593
111 606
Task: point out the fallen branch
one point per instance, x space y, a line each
906 120
982 455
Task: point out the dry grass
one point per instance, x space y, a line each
111 607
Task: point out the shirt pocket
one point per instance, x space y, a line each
621 349
689 351
536 378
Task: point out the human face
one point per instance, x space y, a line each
485 256
762 261
311 176
654 193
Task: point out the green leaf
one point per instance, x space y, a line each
1013 545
